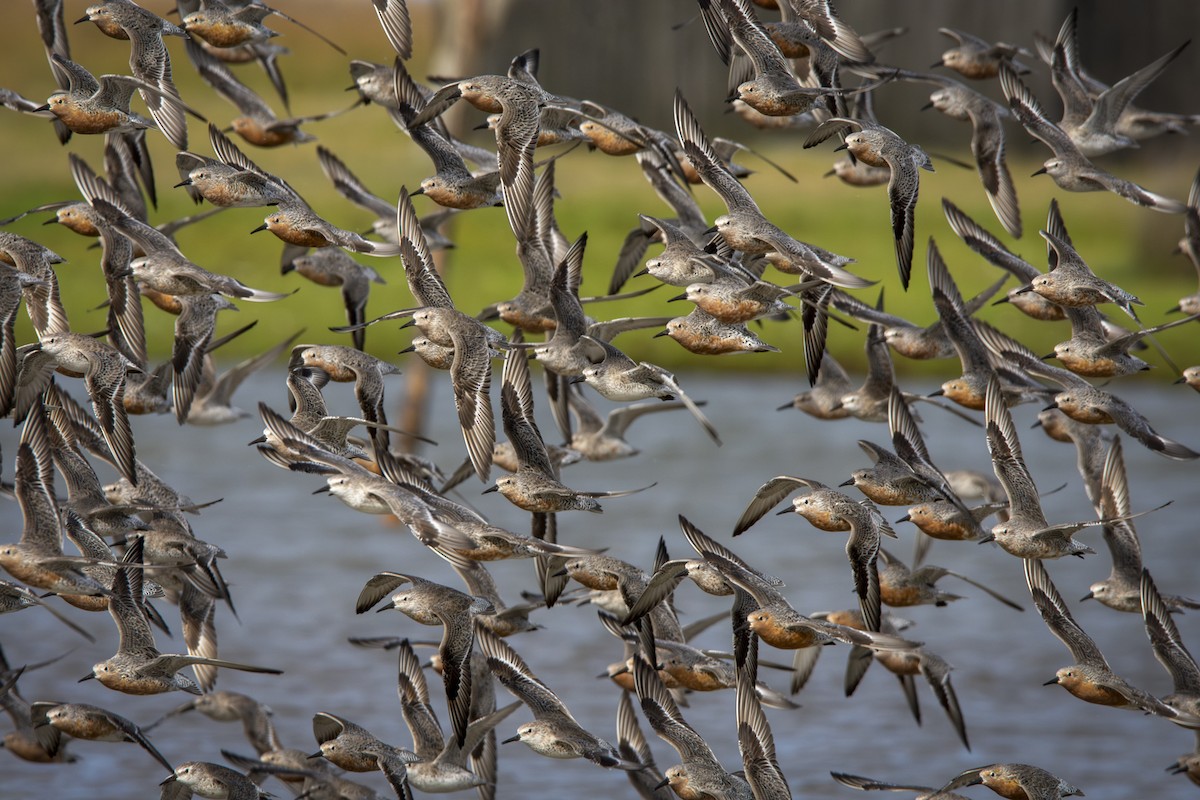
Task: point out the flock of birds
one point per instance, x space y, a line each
135 539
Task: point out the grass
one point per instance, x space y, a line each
599 194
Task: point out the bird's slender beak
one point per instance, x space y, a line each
1024 289
661 333
40 109
259 440
1176 768
1041 171
830 174
841 146
418 190
90 675
662 783
936 393
937 63
84 18
1001 300
710 231
408 324
1087 596
905 518
677 297
1051 682
186 182
170 778
317 754
322 490
495 487
512 739
847 482
412 348
1051 406
1180 380
381 609
927 106
262 227
786 405
784 511
51 221
1049 356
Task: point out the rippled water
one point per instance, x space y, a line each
297 562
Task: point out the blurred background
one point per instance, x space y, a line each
632 56
296 562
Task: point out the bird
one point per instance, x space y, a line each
1091 121
1090 678
976 58
138 667
443 765
1008 779
519 104
208 780
1070 169
257 124
149 59
1026 533
618 377
350 364
433 604
870 784
744 227
84 721
1070 282
1122 589
700 774
1085 403
878 146
350 746
900 586
534 486
553 731
444 325
228 706
1170 650
988 142
103 368
14 597
233 25
231 179
773 89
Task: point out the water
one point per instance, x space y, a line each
296 564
